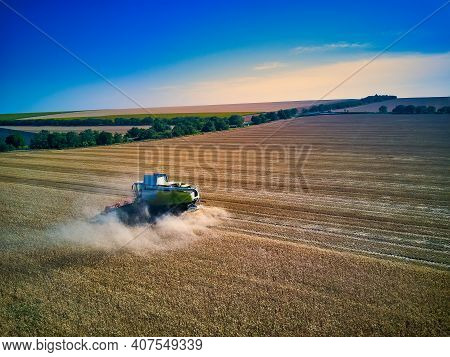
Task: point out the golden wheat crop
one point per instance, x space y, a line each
354 242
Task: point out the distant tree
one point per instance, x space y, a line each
431 109
134 132
263 118
209 126
382 109
420 109
164 134
104 138
178 130
399 109
160 125
323 108
444 110
149 134
282 114
402 109
221 123
256 119
57 140
141 134
73 139
147 121
293 112
118 138
4 146
40 140
189 128
15 140
410 109
88 138
272 116
236 120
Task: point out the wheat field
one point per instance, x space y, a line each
330 225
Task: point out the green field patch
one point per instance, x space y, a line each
159 116
15 116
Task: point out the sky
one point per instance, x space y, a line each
75 55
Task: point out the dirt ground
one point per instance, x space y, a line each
329 225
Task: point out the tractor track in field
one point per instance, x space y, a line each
391 237
327 245
443 228
346 240
64 186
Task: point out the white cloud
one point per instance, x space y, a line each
268 65
329 46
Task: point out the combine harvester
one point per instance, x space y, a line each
155 196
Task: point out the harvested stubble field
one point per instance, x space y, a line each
194 110
364 251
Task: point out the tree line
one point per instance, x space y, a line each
12 142
290 113
271 116
95 121
160 129
416 109
54 140
347 103
175 127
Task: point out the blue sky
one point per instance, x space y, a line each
163 53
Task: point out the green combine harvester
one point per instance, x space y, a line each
154 197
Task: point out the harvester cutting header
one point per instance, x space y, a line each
156 196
